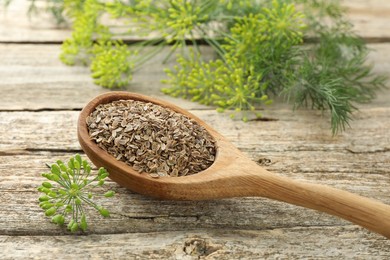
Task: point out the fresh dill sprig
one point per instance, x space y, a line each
334 77
69 189
259 51
78 48
112 66
254 59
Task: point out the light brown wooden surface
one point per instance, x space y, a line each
40 100
231 175
370 19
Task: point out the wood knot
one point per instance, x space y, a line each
199 247
264 161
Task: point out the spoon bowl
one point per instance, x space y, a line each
231 175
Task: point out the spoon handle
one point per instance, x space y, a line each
362 211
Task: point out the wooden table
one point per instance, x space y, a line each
40 99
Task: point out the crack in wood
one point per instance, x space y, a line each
29 151
380 150
41 110
54 150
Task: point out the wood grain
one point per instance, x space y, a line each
39 105
203 244
370 20
34 70
232 174
33 78
332 161
17 26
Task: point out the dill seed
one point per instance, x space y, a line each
151 138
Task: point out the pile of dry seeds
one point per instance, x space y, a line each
151 138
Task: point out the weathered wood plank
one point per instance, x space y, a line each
34 82
204 244
370 20
57 130
17 26
339 168
131 213
357 160
33 78
135 213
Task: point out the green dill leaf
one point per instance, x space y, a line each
47 184
74 227
51 211
44 198
83 223
72 193
109 194
104 212
259 52
58 219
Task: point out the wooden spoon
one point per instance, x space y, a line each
231 175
